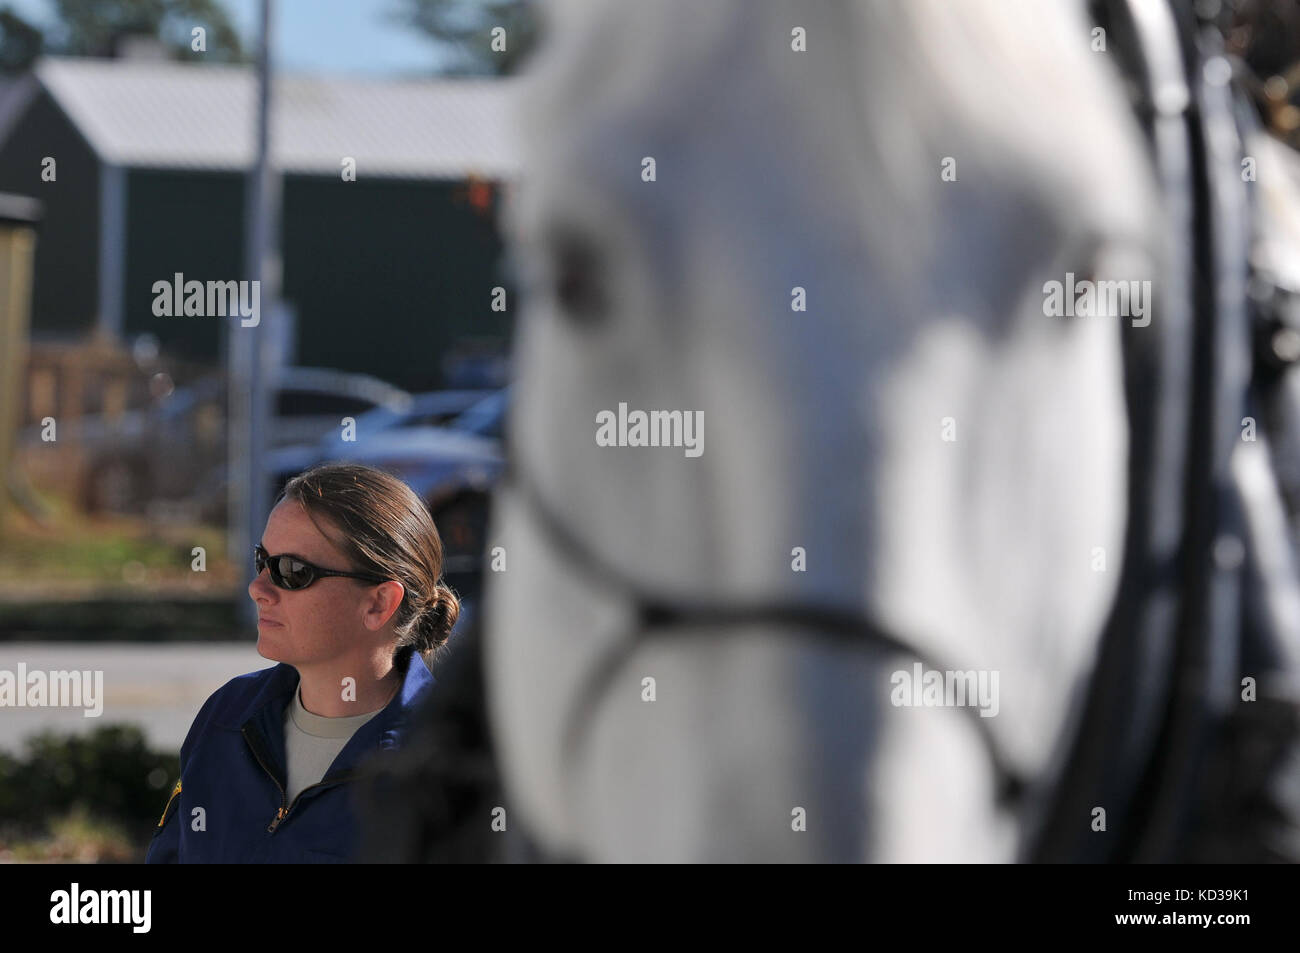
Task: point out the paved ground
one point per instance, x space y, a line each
159 686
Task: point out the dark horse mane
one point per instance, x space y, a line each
432 801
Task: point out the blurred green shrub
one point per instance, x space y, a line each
108 779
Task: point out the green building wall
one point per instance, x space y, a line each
386 276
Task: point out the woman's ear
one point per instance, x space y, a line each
383 602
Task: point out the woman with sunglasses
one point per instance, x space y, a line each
350 604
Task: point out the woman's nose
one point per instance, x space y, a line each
260 589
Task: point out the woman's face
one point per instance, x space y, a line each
321 623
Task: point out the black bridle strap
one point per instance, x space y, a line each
653 615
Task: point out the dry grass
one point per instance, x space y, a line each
73 554
76 838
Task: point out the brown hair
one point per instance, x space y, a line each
387 531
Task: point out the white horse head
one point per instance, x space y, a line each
837 260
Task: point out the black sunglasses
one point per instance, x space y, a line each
292 573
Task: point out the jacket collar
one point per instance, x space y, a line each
264 716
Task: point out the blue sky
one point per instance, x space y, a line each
334 36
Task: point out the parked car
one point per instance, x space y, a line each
176 449
310 402
486 417
432 409
433 461
156 454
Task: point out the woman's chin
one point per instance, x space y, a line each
269 648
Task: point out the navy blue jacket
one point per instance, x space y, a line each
233 765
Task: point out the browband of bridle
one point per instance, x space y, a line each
652 612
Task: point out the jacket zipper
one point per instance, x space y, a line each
319 784
284 809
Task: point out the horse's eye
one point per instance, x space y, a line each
579 280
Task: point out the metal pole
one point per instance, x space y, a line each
248 358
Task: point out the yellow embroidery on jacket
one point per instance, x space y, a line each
175 791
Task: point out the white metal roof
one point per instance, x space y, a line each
159 114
